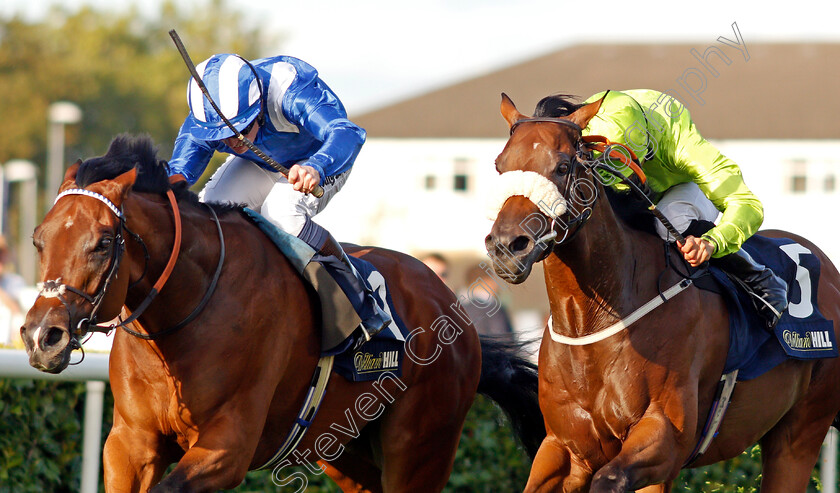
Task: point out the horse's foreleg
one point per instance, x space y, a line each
220 457
553 470
647 457
205 468
132 460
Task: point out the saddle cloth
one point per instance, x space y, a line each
802 332
355 360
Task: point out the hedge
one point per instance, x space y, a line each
41 443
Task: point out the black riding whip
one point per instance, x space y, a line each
316 190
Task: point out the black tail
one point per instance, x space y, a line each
511 382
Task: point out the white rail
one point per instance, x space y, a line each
14 363
828 462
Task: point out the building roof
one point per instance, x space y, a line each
766 91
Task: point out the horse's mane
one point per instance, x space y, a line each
129 151
557 105
124 153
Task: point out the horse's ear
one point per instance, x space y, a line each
70 176
585 113
509 111
126 180
118 188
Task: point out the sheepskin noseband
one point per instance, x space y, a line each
533 186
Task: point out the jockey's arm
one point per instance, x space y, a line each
316 108
189 156
719 178
682 153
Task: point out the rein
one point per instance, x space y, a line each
196 310
57 289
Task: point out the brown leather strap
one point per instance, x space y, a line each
601 143
176 248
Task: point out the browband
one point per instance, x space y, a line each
546 119
97 196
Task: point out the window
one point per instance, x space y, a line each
829 183
461 174
459 183
798 176
430 182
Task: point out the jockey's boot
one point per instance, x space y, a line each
330 254
768 291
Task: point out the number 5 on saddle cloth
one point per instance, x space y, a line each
802 332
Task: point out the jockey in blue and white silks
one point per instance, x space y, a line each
283 107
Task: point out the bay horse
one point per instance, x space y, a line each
626 412
219 395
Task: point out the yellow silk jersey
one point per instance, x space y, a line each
672 151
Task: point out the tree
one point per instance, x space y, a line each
121 69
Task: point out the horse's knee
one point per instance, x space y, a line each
113 453
131 462
553 469
115 465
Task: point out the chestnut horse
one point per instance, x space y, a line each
626 412
219 395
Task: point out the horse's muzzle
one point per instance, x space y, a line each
513 255
47 341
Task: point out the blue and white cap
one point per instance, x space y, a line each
233 85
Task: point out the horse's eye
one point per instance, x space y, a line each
104 244
562 168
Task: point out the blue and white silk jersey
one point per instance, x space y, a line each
304 120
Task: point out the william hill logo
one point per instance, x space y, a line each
811 340
370 362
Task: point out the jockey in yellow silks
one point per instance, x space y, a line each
692 182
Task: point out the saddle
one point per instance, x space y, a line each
356 360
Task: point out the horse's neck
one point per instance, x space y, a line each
151 218
590 281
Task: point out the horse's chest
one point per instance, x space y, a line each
592 434
592 422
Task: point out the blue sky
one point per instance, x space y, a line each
373 52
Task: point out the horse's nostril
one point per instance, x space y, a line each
519 244
53 336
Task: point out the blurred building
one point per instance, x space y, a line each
420 181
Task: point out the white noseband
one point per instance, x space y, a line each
533 186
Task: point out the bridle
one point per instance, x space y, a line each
585 145
57 289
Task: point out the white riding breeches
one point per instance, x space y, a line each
240 181
681 204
